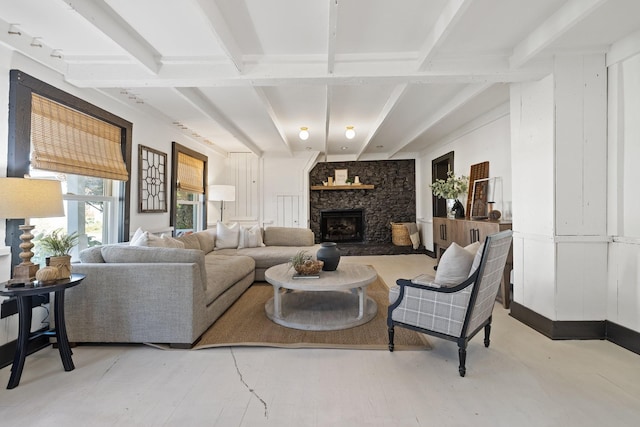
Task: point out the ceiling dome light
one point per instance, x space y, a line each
304 133
350 133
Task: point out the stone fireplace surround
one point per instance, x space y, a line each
392 200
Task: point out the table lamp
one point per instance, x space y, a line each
222 193
25 198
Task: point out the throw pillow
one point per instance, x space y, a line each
153 241
250 237
476 260
454 266
227 236
136 236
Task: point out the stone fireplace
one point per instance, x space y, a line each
393 199
341 225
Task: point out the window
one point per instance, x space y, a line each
57 135
188 187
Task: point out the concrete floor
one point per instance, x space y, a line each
523 379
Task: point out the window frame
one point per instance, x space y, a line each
21 87
175 149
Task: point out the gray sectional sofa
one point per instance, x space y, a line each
135 294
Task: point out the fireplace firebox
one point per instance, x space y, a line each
342 225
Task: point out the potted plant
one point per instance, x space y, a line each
304 264
57 245
450 189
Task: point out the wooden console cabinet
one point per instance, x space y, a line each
464 232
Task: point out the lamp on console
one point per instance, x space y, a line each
25 198
222 193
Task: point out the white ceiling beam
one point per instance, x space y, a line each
565 18
444 25
112 75
24 43
196 98
274 117
103 17
327 121
388 107
333 35
222 32
459 100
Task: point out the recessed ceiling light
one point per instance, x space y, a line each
343 148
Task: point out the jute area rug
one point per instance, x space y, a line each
246 324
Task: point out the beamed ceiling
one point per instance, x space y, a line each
245 75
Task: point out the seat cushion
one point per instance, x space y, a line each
223 271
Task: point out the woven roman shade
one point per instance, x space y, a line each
68 141
190 174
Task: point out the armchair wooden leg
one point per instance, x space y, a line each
487 333
391 333
462 354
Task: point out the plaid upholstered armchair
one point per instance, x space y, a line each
455 313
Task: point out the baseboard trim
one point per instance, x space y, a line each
577 330
624 337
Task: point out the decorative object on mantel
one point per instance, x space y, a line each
25 198
330 254
450 189
341 176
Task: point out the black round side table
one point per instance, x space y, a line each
24 295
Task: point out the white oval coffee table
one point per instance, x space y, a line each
336 300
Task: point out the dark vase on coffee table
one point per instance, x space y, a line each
330 254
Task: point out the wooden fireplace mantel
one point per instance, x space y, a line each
343 187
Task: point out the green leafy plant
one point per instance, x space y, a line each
450 188
58 243
300 258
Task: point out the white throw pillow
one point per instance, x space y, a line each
227 236
136 236
250 237
454 266
476 260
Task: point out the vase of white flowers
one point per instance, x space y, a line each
450 189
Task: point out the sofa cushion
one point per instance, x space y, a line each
142 254
91 255
288 236
190 241
227 235
454 266
153 241
250 237
268 256
224 271
207 239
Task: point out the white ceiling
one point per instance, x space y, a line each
245 75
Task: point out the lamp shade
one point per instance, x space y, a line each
30 198
225 193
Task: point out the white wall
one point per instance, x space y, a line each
623 292
286 176
489 141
